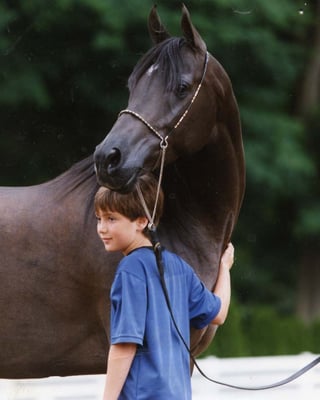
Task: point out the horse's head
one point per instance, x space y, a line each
168 98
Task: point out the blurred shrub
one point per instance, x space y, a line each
261 331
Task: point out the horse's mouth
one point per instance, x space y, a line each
123 182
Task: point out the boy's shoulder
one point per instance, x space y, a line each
136 261
143 258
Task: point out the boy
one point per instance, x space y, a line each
147 359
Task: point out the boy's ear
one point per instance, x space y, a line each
142 222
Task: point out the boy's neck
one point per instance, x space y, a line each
144 242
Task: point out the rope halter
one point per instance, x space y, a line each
163 145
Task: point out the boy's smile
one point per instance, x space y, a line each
119 233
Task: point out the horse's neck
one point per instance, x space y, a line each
188 222
189 190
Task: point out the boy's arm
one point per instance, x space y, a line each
119 362
223 285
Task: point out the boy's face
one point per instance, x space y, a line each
118 233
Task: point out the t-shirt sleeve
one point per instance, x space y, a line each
203 304
128 309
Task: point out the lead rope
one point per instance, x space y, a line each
158 254
160 264
151 225
158 249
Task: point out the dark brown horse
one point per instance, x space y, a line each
54 273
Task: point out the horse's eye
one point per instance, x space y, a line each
182 90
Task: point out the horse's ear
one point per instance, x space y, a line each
190 32
157 31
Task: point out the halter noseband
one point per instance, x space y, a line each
163 142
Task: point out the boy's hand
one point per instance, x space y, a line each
227 257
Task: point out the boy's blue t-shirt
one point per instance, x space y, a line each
139 314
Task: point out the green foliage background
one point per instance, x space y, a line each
63 71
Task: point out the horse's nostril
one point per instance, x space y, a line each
113 159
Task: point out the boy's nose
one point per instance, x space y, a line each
102 227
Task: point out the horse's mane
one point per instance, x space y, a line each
167 56
80 176
76 175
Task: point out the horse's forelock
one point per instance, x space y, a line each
167 56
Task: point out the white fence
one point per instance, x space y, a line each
241 371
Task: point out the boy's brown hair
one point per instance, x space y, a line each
129 204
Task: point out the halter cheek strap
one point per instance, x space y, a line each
163 140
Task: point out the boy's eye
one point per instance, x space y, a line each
98 218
